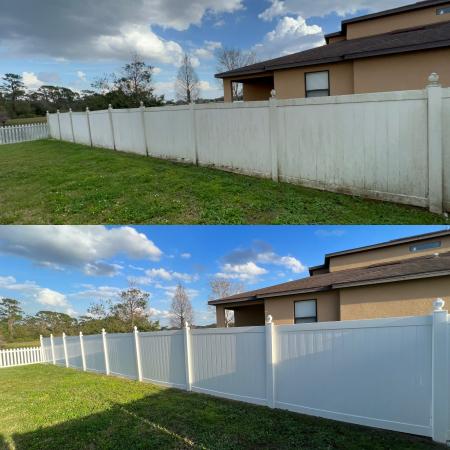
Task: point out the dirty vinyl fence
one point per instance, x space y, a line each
23 133
391 146
386 373
20 356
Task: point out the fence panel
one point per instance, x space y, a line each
23 133
230 362
122 355
375 373
372 143
93 350
235 136
170 132
66 127
101 129
47 349
20 356
53 126
446 145
129 131
74 352
81 128
59 351
162 357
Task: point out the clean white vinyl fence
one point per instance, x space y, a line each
20 356
21 133
386 373
390 145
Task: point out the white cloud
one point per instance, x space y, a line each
246 272
31 81
96 293
82 247
107 28
81 75
186 255
329 233
291 35
321 8
208 50
141 39
33 292
153 275
170 291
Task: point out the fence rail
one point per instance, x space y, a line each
22 133
385 373
392 146
20 356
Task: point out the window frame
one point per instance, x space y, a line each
309 317
425 246
317 90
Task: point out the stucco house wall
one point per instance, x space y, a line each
405 298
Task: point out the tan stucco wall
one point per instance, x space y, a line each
257 91
396 22
227 90
401 72
406 298
248 316
220 316
336 39
382 255
282 308
290 83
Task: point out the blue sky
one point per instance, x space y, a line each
72 43
66 268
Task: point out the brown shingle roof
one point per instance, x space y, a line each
412 39
421 267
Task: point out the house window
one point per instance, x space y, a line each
424 246
305 311
442 11
317 84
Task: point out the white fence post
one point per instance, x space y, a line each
194 133
71 124
111 121
52 344
274 133
270 362
142 109
88 118
105 351
435 144
138 353
187 356
439 370
83 356
65 349
59 123
41 340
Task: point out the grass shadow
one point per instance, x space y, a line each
174 419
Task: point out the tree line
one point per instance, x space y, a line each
133 84
130 308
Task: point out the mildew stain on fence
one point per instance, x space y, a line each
390 146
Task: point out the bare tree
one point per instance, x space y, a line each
181 308
221 288
187 86
231 59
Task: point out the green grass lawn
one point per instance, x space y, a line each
55 182
26 120
47 407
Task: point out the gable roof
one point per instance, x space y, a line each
400 41
406 269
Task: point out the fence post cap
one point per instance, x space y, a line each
70 109
135 329
103 331
87 108
63 334
438 304
141 104
186 324
433 79
273 93
269 319
110 106
81 333
57 111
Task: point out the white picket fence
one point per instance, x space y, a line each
21 133
386 373
20 356
393 146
